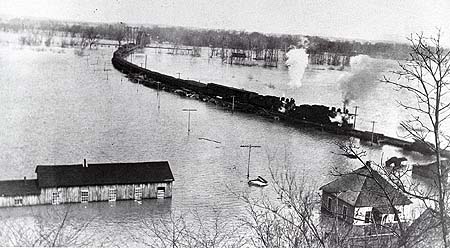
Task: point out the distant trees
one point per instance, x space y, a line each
213 38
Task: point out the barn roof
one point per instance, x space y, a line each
19 187
361 188
103 174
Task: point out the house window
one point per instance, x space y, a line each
384 219
396 217
344 212
329 204
55 198
84 196
112 194
18 201
368 217
138 193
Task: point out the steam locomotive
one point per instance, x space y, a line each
286 107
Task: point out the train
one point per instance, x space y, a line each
277 106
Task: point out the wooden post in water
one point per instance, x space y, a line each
373 127
189 118
146 61
248 163
158 96
232 104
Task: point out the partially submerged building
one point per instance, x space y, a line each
364 197
85 183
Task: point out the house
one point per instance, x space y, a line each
363 197
85 183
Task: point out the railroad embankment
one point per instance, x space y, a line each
316 116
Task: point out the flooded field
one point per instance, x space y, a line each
58 107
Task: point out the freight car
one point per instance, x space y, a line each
312 113
226 92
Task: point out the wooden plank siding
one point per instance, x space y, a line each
96 193
28 200
340 207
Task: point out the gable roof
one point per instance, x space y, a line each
19 187
361 188
103 174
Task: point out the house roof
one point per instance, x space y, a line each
103 174
361 188
19 187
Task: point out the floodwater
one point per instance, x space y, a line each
59 108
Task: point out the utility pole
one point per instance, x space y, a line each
106 70
373 127
232 104
248 163
354 121
146 61
158 96
178 74
189 118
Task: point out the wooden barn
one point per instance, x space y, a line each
56 184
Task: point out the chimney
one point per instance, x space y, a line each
25 180
85 163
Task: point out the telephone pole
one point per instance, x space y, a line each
158 97
189 118
248 163
373 127
354 120
146 61
232 104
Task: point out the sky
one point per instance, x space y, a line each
353 19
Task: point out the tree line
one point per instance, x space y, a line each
217 38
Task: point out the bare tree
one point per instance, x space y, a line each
186 230
89 37
288 215
407 233
425 75
119 32
57 228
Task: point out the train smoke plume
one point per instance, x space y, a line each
296 62
361 79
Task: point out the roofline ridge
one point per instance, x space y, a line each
345 174
101 163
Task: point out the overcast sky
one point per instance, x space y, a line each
361 19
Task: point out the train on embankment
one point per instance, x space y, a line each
333 120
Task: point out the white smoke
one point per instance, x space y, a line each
361 79
296 62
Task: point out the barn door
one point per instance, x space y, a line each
160 193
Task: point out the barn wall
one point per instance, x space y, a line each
96 193
28 200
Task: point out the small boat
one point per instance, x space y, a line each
260 182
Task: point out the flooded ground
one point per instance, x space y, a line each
59 108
